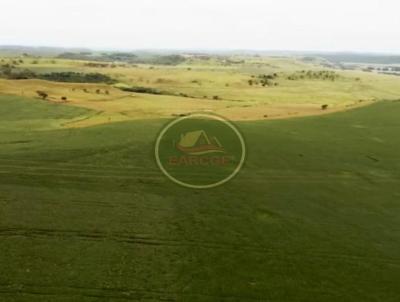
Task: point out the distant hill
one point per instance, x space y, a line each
14 50
171 56
359 58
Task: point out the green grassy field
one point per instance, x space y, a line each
85 215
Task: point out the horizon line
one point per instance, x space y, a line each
206 49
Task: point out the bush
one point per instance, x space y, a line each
42 94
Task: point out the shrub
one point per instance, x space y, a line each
42 94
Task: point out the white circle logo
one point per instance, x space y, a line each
200 151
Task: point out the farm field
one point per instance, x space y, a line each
86 214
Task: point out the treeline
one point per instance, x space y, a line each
151 90
68 77
125 57
264 80
139 89
77 77
314 75
106 57
165 60
271 80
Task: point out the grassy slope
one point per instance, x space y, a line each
314 216
208 79
21 113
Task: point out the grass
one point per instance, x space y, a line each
194 85
20 113
86 215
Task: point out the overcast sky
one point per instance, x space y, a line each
339 25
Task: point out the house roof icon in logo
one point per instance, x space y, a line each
199 143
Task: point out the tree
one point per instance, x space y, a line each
42 94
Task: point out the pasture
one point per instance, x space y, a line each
86 215
204 86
